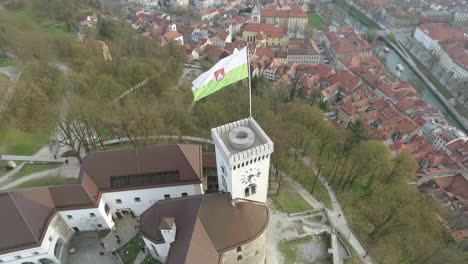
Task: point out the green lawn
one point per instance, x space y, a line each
130 251
4 79
319 190
32 168
6 64
316 21
150 260
47 181
289 252
16 142
289 201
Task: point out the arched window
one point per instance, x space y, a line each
239 258
253 189
239 249
247 192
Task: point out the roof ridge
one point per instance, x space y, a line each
201 222
200 173
193 227
137 162
22 216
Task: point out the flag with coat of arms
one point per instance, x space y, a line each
227 71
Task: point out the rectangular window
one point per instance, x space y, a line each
50 238
92 214
36 253
107 209
99 226
184 194
118 201
137 199
157 178
167 196
69 217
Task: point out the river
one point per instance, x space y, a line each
392 59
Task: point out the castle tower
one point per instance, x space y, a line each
255 14
243 159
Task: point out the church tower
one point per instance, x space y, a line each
243 159
255 14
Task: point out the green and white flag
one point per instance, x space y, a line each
227 71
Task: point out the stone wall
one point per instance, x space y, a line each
250 253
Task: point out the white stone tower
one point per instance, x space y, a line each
243 159
255 14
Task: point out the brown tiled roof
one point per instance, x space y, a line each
70 196
206 225
27 212
184 158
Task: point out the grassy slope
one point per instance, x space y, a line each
319 191
48 181
289 201
16 142
4 79
6 63
12 140
33 168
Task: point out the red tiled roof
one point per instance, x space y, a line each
208 11
344 79
172 35
271 30
458 52
294 12
265 52
346 40
439 31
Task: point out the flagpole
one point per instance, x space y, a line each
250 83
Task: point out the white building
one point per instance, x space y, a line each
423 36
200 229
440 135
243 159
303 56
460 18
454 59
37 222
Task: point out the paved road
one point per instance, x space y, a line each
14 75
35 158
68 171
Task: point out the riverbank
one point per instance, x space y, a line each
359 15
457 116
